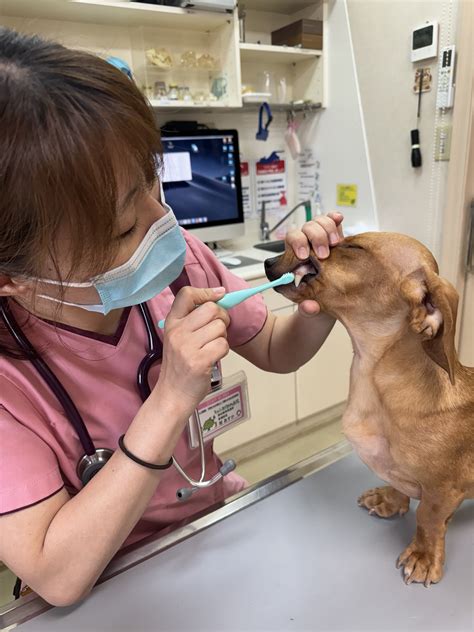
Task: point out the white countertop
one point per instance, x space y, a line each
255 271
303 558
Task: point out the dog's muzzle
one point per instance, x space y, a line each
304 271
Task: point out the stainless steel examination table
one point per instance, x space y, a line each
304 558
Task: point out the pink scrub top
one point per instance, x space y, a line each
39 449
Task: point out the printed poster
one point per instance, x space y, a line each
271 187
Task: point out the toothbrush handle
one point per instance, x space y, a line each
235 298
232 299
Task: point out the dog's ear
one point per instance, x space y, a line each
433 305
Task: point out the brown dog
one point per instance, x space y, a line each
410 412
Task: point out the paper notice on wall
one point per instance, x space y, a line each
247 191
346 194
307 175
271 188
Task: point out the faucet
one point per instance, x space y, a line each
266 231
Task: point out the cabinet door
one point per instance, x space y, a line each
272 400
324 380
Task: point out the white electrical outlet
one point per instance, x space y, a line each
443 142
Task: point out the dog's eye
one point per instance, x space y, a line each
351 246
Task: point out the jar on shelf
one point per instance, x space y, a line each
185 94
173 92
219 87
159 91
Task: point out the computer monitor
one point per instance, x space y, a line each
201 180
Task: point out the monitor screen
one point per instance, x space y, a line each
201 178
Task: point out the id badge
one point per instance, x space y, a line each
221 409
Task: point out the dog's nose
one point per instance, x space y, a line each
270 268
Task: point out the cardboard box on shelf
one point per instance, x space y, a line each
306 33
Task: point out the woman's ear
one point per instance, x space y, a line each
433 305
10 287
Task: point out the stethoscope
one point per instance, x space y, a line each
95 458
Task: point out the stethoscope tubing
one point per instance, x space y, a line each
154 354
48 376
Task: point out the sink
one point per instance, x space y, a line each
272 246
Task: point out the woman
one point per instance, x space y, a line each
84 236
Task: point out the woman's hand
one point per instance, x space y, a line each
321 234
195 339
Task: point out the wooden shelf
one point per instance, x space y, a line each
232 109
279 6
276 54
185 105
286 107
115 12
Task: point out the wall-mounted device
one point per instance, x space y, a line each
445 95
424 41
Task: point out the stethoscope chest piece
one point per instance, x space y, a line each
90 464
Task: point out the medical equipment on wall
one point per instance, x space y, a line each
95 458
445 95
415 134
232 299
424 41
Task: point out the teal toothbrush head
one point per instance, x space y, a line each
235 298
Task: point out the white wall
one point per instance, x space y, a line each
337 135
408 200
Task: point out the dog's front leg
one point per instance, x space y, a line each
423 559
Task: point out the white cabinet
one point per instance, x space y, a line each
289 73
279 400
324 380
129 29
272 400
178 67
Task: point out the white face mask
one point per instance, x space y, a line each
157 262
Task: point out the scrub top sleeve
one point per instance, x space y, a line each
246 319
29 471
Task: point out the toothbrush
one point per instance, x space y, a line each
235 298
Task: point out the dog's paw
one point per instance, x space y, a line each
420 565
384 502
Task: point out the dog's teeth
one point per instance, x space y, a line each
298 278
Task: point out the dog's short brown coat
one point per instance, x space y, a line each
410 411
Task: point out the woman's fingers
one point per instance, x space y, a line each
198 307
338 219
212 331
217 349
205 314
298 242
321 233
188 297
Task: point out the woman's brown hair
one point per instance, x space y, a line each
68 121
